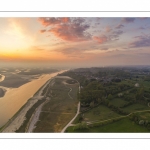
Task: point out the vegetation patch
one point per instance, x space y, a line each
124 125
61 108
110 96
99 113
71 81
118 102
136 107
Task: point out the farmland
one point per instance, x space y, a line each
112 100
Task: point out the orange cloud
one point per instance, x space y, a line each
70 32
65 19
53 21
42 31
67 29
108 29
101 39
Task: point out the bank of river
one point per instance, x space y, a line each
14 99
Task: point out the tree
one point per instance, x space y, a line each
82 125
139 94
92 104
99 100
80 118
110 97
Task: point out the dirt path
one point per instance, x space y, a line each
69 94
91 122
78 111
70 123
98 121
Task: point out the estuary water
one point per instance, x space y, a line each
15 98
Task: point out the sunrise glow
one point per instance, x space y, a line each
74 41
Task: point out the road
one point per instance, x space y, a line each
69 124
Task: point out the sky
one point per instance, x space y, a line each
75 42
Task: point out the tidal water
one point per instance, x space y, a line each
15 98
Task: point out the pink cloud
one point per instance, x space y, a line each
128 20
42 31
53 21
100 39
67 29
72 32
108 29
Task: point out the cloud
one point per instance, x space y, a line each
68 51
115 35
118 32
36 48
73 32
72 52
100 39
140 41
52 21
108 29
128 20
104 48
97 24
141 28
111 37
119 26
143 18
42 31
69 29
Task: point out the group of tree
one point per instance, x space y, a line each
140 121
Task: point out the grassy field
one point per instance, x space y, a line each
146 84
118 102
122 126
99 113
144 115
60 109
136 107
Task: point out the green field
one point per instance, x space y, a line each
112 99
122 126
118 102
99 113
136 107
144 115
146 84
61 107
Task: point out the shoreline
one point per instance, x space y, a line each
3 90
18 118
